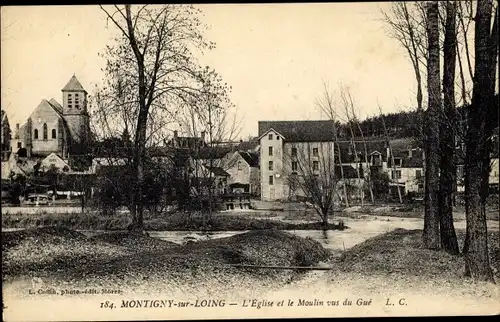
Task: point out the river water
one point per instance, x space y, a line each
335 240
359 230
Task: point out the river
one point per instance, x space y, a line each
360 229
335 240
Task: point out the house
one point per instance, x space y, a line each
352 152
244 172
191 143
282 144
407 171
55 128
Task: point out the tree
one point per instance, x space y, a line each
210 116
326 105
380 184
431 236
348 103
391 155
52 177
154 57
478 142
313 177
447 132
407 25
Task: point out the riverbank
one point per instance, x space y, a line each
178 221
389 265
401 279
58 257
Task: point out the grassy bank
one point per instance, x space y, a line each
166 222
58 256
401 252
395 263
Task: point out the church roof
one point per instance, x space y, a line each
56 105
73 85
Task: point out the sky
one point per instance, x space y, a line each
276 57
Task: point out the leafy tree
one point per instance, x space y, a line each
380 181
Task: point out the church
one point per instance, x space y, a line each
52 128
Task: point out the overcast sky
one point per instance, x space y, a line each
275 56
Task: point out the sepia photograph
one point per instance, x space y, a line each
248 161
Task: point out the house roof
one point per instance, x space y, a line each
300 131
218 171
251 158
217 152
248 145
348 171
415 161
73 85
347 149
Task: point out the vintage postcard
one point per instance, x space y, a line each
240 161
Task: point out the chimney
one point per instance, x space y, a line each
410 153
174 141
202 136
17 126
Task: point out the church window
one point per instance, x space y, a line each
45 134
54 133
70 101
77 101
35 134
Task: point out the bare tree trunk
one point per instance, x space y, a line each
463 89
346 97
140 135
447 135
394 167
360 188
388 140
369 172
431 238
477 263
344 185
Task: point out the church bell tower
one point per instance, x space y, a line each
76 115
